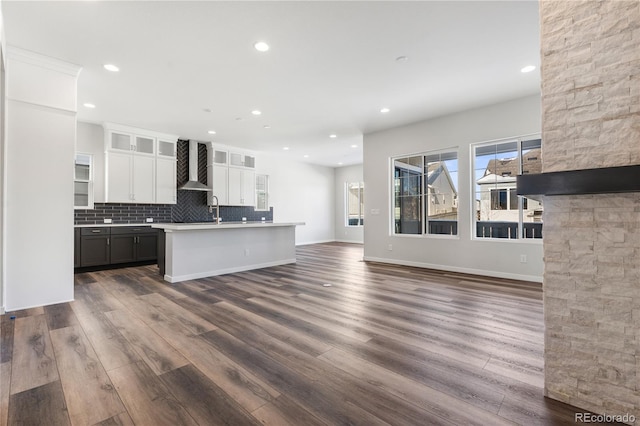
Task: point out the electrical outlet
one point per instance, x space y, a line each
246 252
244 219
108 221
523 258
149 220
390 247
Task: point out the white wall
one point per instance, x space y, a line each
41 135
91 141
489 257
3 156
350 234
301 192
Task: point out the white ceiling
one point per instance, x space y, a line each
331 67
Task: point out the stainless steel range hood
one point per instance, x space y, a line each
193 184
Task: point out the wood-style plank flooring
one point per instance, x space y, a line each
330 340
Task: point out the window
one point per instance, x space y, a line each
355 203
500 212
262 192
426 194
82 183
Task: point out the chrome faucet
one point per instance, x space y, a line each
215 207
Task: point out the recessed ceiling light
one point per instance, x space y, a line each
88 105
401 58
333 136
528 68
354 146
339 164
238 118
206 109
286 148
261 46
111 67
256 112
212 132
266 126
384 110
306 156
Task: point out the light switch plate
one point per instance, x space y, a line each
149 219
108 221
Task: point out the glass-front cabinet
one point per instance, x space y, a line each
82 182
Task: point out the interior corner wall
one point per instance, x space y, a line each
499 258
3 110
40 146
301 192
344 233
90 140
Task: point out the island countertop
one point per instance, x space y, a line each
188 251
169 227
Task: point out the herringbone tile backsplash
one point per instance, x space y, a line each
191 206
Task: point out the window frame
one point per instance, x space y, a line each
424 195
522 203
360 217
265 192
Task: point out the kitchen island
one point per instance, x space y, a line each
189 251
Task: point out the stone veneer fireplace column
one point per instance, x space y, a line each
591 119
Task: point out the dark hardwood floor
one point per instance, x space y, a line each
330 340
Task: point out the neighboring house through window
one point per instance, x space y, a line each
426 194
500 212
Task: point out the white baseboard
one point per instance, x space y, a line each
306 243
349 241
449 268
35 306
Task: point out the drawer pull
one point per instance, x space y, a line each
96 231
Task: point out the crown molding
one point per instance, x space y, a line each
37 59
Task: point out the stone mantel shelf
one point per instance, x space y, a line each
608 180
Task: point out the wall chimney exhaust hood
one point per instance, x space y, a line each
193 184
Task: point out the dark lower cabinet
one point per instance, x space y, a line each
101 246
94 246
76 247
133 244
147 246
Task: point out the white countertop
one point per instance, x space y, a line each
224 225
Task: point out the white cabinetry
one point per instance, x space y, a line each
141 166
166 181
242 187
218 175
231 175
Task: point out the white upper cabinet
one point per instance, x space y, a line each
231 176
166 184
242 187
167 148
242 160
120 141
141 166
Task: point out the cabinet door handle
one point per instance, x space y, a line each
95 231
108 240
